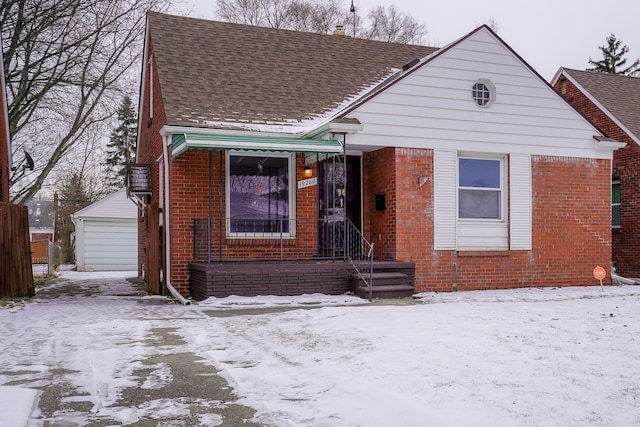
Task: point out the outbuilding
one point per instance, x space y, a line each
107 234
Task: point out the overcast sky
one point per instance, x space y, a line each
547 34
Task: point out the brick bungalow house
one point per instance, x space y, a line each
612 103
267 159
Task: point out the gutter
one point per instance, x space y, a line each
623 280
167 228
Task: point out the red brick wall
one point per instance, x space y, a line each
379 177
626 168
149 150
571 214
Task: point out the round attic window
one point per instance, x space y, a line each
483 93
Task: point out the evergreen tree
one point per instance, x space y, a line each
73 197
122 145
613 60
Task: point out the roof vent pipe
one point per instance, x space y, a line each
411 64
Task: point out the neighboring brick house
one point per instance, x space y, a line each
612 103
461 164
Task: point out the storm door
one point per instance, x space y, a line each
340 197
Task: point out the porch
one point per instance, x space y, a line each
281 256
390 279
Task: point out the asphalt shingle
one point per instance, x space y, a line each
617 93
218 74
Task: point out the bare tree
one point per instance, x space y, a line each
322 16
392 25
249 12
64 61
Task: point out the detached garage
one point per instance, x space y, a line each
107 234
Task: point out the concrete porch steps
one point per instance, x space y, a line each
385 285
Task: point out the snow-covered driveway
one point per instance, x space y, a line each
528 357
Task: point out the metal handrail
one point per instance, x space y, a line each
359 252
284 239
272 238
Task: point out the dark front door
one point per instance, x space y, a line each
340 195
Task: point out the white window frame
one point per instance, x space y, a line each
503 187
291 234
513 232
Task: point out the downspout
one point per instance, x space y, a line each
167 227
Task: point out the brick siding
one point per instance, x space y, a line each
149 150
571 217
626 168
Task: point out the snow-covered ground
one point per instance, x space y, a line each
526 357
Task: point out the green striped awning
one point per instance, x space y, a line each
185 141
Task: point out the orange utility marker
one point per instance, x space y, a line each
599 273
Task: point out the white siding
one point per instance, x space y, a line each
110 245
432 108
115 205
445 199
520 201
482 235
107 234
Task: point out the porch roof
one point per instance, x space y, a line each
185 141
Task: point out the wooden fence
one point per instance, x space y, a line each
16 275
46 252
40 252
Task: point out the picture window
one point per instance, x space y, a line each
260 194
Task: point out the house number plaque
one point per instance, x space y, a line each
308 182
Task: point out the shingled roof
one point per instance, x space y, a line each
619 94
223 75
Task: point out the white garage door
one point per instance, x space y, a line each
110 245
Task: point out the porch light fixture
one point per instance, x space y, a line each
308 171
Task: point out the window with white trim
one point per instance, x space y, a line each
482 201
260 194
480 188
615 204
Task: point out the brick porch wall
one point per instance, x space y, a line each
190 199
379 177
626 168
571 233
